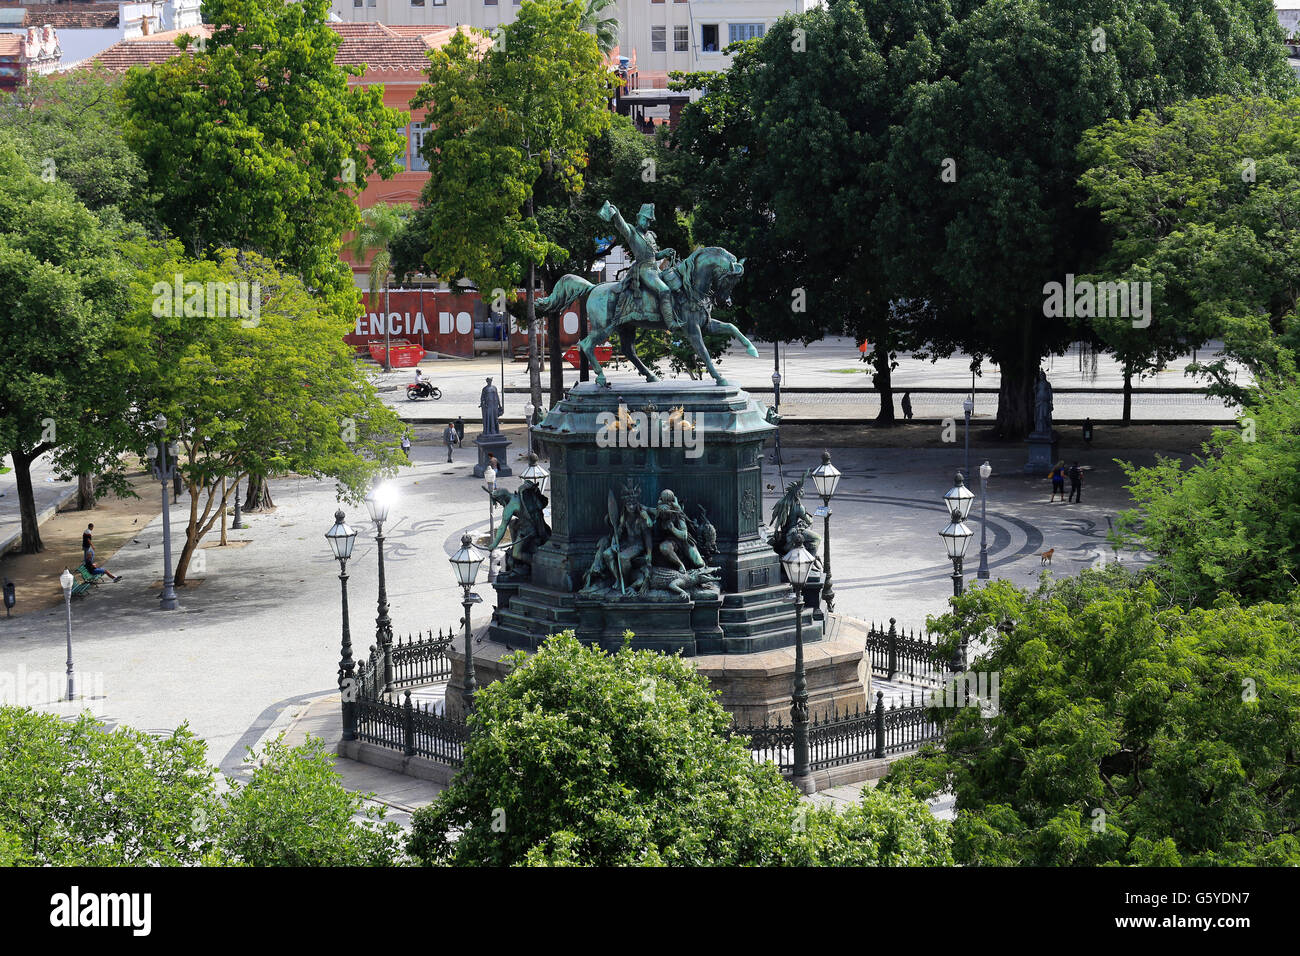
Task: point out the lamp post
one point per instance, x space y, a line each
378 503
956 536
968 406
238 523
528 423
776 400
798 564
985 470
537 474
465 562
490 476
65 581
826 478
162 459
341 538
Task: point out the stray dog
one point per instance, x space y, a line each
1046 556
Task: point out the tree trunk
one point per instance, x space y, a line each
881 380
31 543
259 494
85 492
1018 362
1128 394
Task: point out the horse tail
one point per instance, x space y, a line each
568 289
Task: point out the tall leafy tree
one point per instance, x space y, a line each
944 172
1202 199
257 142
1127 729
501 114
264 390
61 288
600 18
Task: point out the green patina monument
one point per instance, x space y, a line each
656 487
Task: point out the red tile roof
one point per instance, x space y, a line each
68 16
376 45
144 50
11 44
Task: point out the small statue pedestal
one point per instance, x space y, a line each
494 444
1042 452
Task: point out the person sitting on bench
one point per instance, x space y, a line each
88 558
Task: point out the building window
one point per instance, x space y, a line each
356 3
417 3
709 38
656 1
681 39
489 3
736 32
417 143
658 39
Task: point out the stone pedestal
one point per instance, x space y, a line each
1043 449
713 468
494 444
750 686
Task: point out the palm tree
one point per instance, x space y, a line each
604 27
380 225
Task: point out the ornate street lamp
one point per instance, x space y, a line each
341 538
826 478
537 474
378 503
65 581
163 460
465 563
956 536
968 406
798 563
490 476
985 470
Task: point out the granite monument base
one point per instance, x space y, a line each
752 687
1042 452
494 444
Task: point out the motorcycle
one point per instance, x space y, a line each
418 390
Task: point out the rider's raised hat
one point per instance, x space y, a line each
648 210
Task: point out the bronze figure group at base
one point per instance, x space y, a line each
649 549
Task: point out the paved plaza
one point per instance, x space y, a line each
258 629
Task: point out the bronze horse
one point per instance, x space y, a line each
706 276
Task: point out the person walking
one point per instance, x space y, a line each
87 535
907 405
449 438
1075 474
406 446
88 558
1058 482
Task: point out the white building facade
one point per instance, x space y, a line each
658 36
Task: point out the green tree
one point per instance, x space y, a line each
68 126
61 282
963 220
266 388
1128 730
380 227
500 115
257 142
77 794
1231 522
295 812
582 757
1200 200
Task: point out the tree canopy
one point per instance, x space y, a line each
583 757
1128 730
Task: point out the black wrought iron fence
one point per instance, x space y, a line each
896 655
405 663
414 730
848 738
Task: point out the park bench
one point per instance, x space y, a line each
87 581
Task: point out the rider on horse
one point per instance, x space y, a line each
646 253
